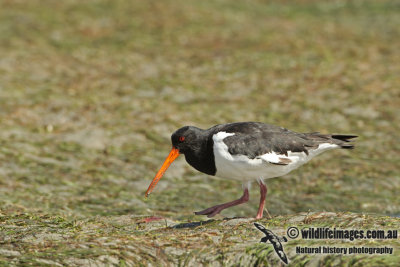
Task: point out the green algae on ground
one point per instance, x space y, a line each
134 241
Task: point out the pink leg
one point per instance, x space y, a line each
210 212
263 192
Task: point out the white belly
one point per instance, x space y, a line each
241 168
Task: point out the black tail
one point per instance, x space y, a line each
341 140
344 138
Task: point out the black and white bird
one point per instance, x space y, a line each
275 240
247 151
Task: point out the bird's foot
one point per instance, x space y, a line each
210 212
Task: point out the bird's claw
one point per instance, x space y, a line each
210 212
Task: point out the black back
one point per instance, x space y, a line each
254 139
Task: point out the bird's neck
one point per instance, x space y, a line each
202 158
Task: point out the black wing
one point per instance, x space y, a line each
255 139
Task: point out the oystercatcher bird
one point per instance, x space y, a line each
247 151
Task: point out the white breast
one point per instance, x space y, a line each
242 168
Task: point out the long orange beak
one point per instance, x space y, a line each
171 157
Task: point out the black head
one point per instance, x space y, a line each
187 139
191 142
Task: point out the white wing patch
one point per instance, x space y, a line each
275 158
296 158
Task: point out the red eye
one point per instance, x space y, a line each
181 138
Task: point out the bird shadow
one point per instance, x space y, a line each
200 223
191 224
